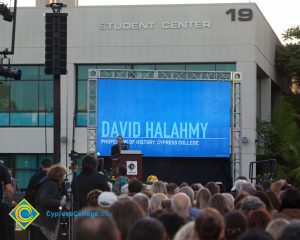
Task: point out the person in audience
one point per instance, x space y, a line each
259 218
147 229
166 205
290 205
230 200
276 226
274 200
218 201
236 224
181 205
172 222
106 199
210 224
190 193
251 203
172 189
186 232
276 186
265 199
134 186
92 197
291 231
94 228
86 181
155 202
213 188
266 184
121 180
125 213
202 198
143 201
238 198
237 185
256 234
49 198
159 187
247 187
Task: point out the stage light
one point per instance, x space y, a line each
8 72
6 13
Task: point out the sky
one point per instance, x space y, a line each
281 14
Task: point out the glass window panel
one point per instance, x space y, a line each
24 119
26 161
4 119
175 67
81 120
4 96
200 67
29 72
24 95
45 96
82 96
83 71
48 121
144 67
23 177
121 66
225 67
42 74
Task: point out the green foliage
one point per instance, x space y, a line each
288 56
282 138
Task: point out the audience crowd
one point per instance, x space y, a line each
157 210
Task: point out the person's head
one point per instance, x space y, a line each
143 201
219 202
247 187
256 234
172 189
237 185
122 170
259 218
147 229
239 197
159 187
212 187
202 198
291 231
189 192
274 199
290 199
125 213
156 200
89 164
230 200
235 225
119 140
57 173
265 199
46 164
172 222
186 232
106 199
276 226
276 186
9 170
92 197
181 204
251 203
210 224
134 186
266 184
92 227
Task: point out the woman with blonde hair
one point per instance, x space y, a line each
219 202
202 198
159 187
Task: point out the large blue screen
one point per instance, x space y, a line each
165 118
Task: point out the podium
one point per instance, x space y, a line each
132 160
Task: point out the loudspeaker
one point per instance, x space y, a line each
56 43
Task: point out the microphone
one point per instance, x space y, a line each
125 146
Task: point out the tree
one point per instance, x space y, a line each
288 55
282 140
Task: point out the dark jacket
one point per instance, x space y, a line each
49 197
83 184
34 180
115 149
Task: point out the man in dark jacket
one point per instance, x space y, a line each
115 149
89 179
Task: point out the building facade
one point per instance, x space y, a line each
207 37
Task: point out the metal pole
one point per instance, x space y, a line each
57 116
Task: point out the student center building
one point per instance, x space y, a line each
206 37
